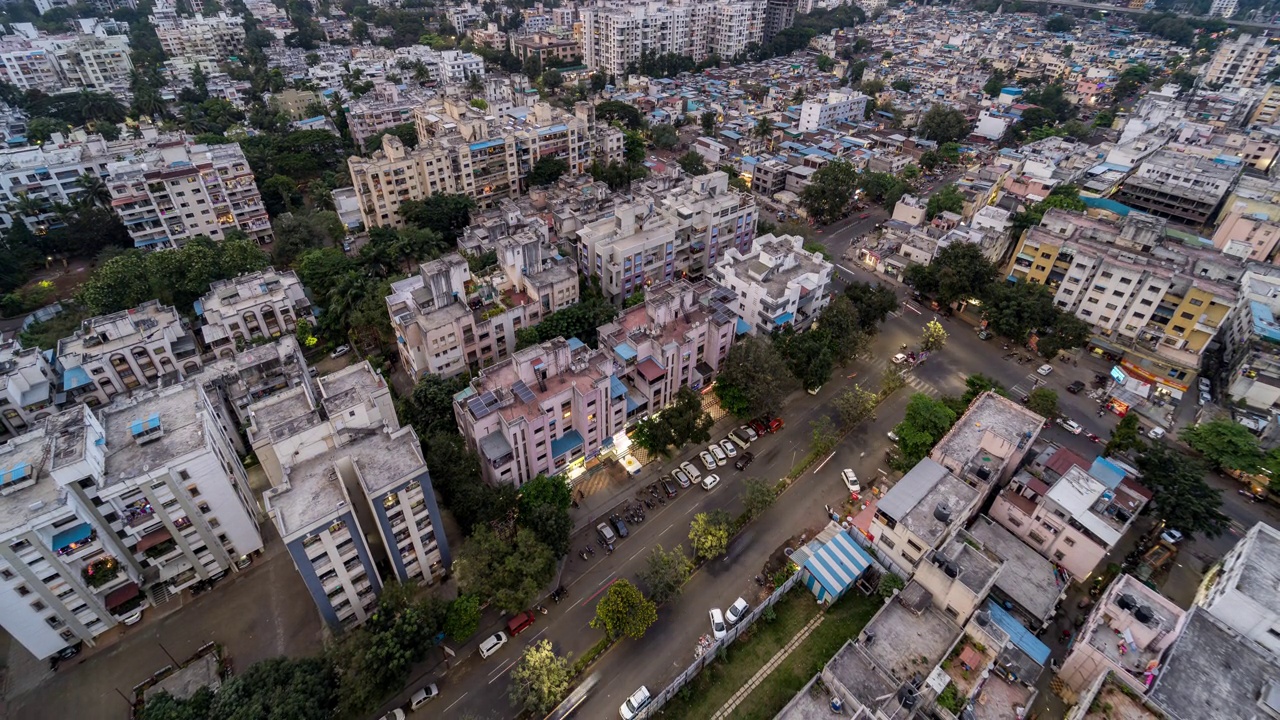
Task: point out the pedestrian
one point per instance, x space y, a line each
862 454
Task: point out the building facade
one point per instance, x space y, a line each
28 388
776 284
264 304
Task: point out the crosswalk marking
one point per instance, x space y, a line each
920 386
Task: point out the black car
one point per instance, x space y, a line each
618 525
65 653
669 487
1075 387
745 460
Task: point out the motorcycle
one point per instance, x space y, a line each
759 581
583 554
591 550
540 609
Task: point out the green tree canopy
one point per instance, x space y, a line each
1225 444
446 214
933 337
692 163
512 572
1043 401
1182 498
757 496
960 272
872 303
943 124
546 171
926 422
463 618
709 533
683 421
624 612
754 379
540 680
946 199
666 572
1125 436
829 193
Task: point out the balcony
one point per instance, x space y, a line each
101 572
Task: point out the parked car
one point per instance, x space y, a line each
681 477
1171 536
737 611
395 714
730 450
899 358
984 335
814 391
864 216
718 628
1045 369
710 482
1203 384
774 424
668 487
1070 426
758 427
693 472
492 644
132 618
1156 433
750 434
717 454
1205 398
741 438
1075 387
745 461
850 479
340 351
420 698
892 435
619 525
638 701
519 623
606 533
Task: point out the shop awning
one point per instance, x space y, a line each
566 443
121 595
153 539
72 535
835 567
744 327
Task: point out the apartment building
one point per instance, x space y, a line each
545 46
1248 236
1223 8
778 16
911 209
1239 594
1071 514
28 67
449 321
769 177
920 513
178 190
1250 341
456 67
989 441
350 491
233 383
776 284
119 353
1239 63
217 36
1177 186
28 388
50 173
100 516
1267 111
31 60
384 108
267 303
678 336
736 25
1154 307
835 108
546 409
671 230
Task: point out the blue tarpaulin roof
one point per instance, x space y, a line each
72 535
199 307
566 443
1106 204
616 388
624 351
1107 473
1018 635
575 343
1264 322
836 565
784 318
74 378
744 327
138 426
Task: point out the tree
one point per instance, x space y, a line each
512 572
1014 310
960 272
1182 498
994 84
763 129
946 199
1043 401
463 618
540 680
926 422
873 303
544 509
664 136
754 380
757 496
691 162
613 111
683 421
708 121
808 355
406 132
824 63
552 79
829 193
546 171
1225 444
1125 436
855 405
823 434
447 214
902 85
624 612
933 337
942 124
709 534
666 572
40 130
1060 24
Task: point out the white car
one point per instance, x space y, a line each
1203 384
710 482
814 391
693 472
751 434
892 435
1171 536
132 618
340 351
396 714
1045 369
492 644
737 611
718 628
850 479
420 698
718 453
1156 433
899 358
1070 426
638 701
708 460
729 448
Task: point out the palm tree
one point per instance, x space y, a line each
100 106
28 206
764 130
95 190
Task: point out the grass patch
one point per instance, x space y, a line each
719 681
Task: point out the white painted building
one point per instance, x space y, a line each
27 388
777 283
267 303
1243 595
836 107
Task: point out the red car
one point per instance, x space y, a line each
759 427
775 425
864 216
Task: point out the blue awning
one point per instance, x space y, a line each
74 378
624 351
616 388
565 444
631 405
1021 637
199 308
744 327
835 567
71 536
784 318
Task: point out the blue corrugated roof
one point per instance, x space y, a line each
616 388
1106 204
1264 322
838 564
199 308
631 404
1106 472
1019 635
74 378
575 343
624 351
138 426
744 327
565 444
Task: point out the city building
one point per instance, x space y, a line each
1248 236
294 102
672 230
121 352
179 189
49 173
545 46
32 60
1251 346
989 441
216 36
1176 186
449 321
777 283
241 310
1222 8
28 67
350 491
769 177
920 513
736 25
382 109
778 16
1239 592
99 517
1238 63
835 108
28 388
1213 671
1267 111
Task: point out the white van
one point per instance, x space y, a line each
492 644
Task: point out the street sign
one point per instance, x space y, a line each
1118 375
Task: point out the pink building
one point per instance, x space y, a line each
1027 188
1247 235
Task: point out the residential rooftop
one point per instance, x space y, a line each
180 429
911 635
313 493
1212 672
20 457
1026 578
918 498
1260 576
967 442
857 675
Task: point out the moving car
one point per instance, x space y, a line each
340 351
718 454
730 450
420 698
850 479
718 628
899 358
710 482
864 216
638 701
1075 387
681 477
1156 433
1070 426
1045 369
774 424
744 461
493 643
737 611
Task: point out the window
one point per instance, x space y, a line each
38 606
912 544
203 507
184 475
1058 555
952 612
1068 542
1036 537
886 542
193 489
6 574
23 590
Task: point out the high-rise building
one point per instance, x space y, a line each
776 284
1223 8
778 16
616 36
1239 63
217 36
